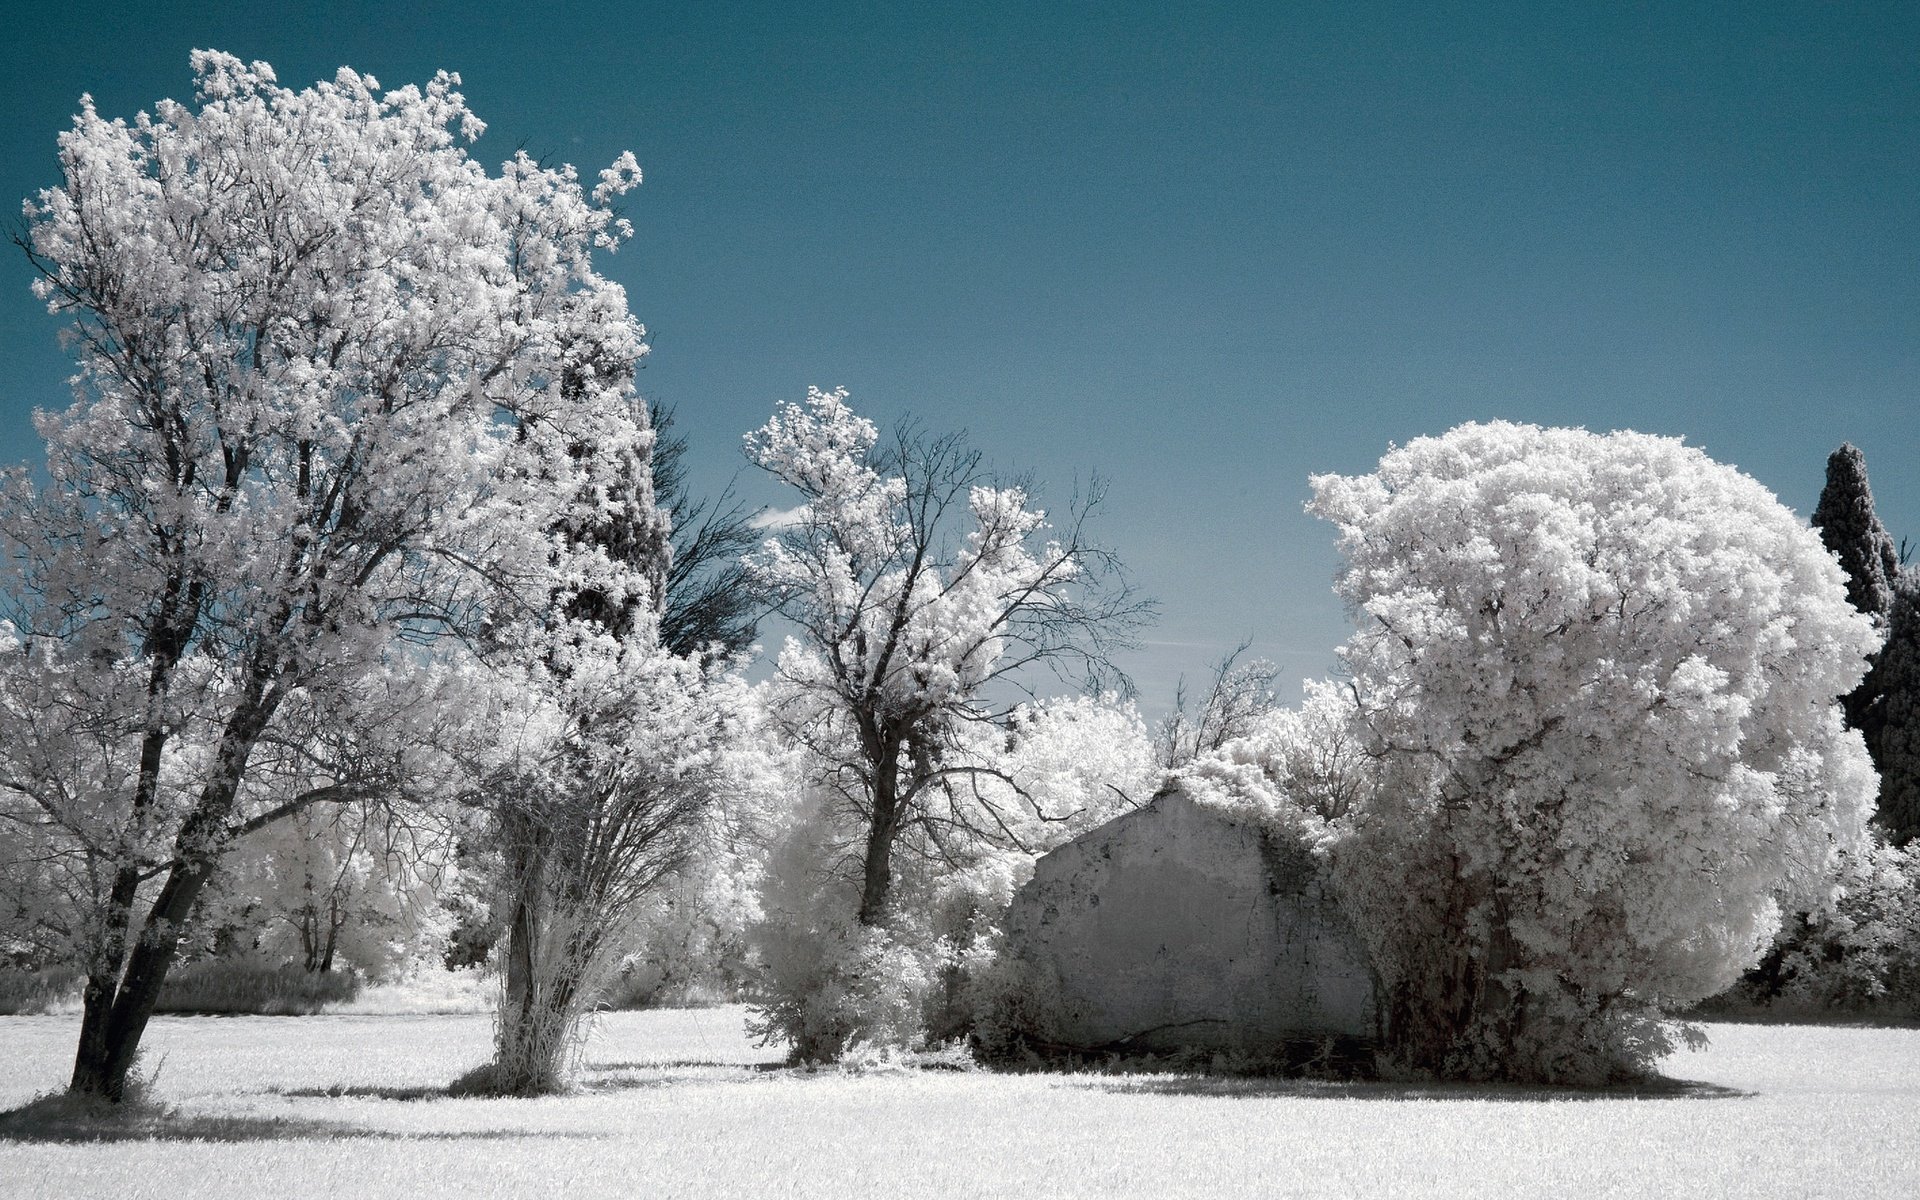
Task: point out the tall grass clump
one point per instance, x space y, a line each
26 992
216 986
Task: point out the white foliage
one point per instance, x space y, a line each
910 628
1305 770
333 887
917 584
1599 675
337 385
1861 952
693 930
1060 768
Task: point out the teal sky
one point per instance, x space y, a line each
1203 250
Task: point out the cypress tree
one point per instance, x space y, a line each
1894 734
1851 529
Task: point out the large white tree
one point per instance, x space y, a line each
1598 674
927 600
323 415
917 583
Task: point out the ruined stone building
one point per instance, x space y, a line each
1176 926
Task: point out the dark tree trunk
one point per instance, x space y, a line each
309 938
336 921
877 866
104 1060
103 980
96 1009
523 931
111 1031
103 976
1500 1008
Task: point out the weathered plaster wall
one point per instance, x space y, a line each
1174 926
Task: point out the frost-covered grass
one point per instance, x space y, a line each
680 1103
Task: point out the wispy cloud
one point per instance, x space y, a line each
778 518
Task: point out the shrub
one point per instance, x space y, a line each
222 986
858 986
24 992
1598 673
1857 957
1016 1007
826 983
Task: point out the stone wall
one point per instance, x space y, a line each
1174 926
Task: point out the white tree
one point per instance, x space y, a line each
335 886
603 792
1305 770
1237 700
917 586
320 419
617 758
1599 675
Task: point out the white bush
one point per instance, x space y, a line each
1859 954
1598 675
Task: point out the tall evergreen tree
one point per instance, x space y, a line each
1894 736
1885 708
710 598
1851 529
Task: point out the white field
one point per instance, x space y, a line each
680 1103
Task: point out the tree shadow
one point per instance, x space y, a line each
625 1076
367 1092
60 1118
1271 1087
684 1064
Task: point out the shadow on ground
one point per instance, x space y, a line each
622 1076
593 1077
58 1118
1256 1087
685 1064
368 1092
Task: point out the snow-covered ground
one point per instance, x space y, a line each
682 1103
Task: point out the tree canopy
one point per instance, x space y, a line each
1599 673
336 386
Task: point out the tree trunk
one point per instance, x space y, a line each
877 867
89 1060
1433 1008
336 921
523 932
110 1034
531 1037
110 1040
103 975
103 979
552 944
1500 1008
